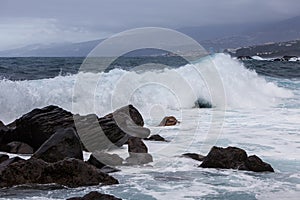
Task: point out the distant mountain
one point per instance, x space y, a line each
53 50
214 38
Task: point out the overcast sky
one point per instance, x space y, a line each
24 22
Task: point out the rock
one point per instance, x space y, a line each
3 157
139 158
234 158
115 129
3 127
37 126
202 103
194 156
19 148
63 144
101 159
156 138
136 145
254 163
69 172
138 152
95 196
6 163
169 121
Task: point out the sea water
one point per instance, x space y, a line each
261 115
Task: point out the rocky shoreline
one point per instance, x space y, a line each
55 139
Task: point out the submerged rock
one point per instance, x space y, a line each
156 138
169 121
234 158
202 103
194 156
95 196
69 172
63 144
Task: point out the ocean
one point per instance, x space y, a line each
260 113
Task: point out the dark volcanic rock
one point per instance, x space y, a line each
7 162
95 196
63 144
19 148
37 126
168 121
254 163
194 156
3 127
156 138
3 157
69 172
138 152
136 145
234 158
101 159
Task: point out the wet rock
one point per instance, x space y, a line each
19 148
63 144
244 58
3 157
138 152
169 121
234 158
194 156
95 196
156 138
254 163
37 126
101 159
3 127
114 131
6 163
69 172
202 103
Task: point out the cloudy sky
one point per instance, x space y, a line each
54 21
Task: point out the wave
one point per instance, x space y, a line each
160 89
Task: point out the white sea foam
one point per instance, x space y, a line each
151 91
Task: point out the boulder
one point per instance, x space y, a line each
19 148
63 144
156 138
3 127
169 121
194 156
95 196
3 157
138 152
102 159
234 158
254 163
69 172
202 103
37 126
7 162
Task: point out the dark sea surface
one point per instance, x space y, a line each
31 68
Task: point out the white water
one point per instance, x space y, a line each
168 89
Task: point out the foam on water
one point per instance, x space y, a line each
171 89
